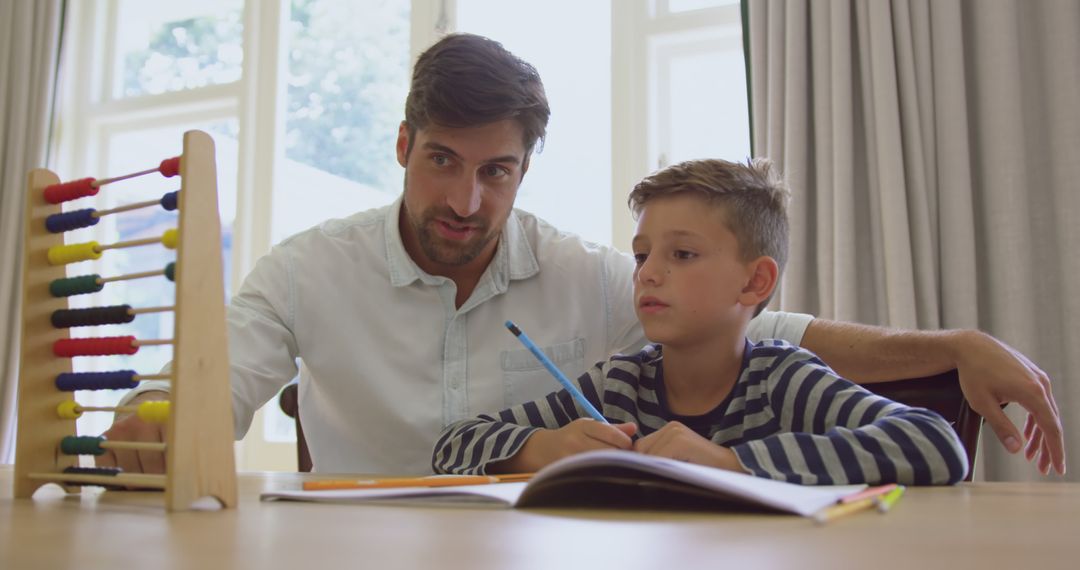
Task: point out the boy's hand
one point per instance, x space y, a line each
587 434
546 446
131 428
676 441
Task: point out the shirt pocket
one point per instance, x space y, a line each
525 378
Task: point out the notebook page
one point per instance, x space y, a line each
502 495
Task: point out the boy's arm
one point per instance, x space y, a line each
827 430
471 446
467 447
991 373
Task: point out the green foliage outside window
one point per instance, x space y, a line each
347 76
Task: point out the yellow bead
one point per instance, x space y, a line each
171 238
153 412
64 254
68 410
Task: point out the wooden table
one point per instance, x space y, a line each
985 525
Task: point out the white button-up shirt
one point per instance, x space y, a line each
385 358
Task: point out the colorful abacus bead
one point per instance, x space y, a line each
69 410
93 316
64 192
153 412
170 167
73 220
81 285
116 380
103 346
64 254
170 239
82 445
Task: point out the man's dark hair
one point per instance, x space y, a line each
465 80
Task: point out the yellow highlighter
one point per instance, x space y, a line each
886 502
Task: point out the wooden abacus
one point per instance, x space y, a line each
198 416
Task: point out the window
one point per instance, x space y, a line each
160 47
347 77
167 69
680 86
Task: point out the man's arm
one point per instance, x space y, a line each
991 374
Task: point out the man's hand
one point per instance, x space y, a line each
993 373
546 446
131 428
676 441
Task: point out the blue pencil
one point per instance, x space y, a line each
539 354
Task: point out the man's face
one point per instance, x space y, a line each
460 185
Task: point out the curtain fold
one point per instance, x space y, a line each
931 147
29 52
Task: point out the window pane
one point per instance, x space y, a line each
708 114
699 109
569 182
133 151
171 46
687 5
347 81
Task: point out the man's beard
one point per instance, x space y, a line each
438 249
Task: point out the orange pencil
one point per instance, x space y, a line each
398 482
843 509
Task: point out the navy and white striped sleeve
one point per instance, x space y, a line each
825 430
468 446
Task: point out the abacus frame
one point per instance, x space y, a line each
199 442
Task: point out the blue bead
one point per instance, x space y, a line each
115 380
73 220
169 201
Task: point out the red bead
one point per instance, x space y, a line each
170 167
58 193
67 347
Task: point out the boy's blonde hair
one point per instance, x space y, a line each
753 199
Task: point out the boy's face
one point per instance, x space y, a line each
689 282
460 185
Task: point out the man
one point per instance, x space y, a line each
397 313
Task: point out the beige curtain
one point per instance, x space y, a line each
29 50
933 149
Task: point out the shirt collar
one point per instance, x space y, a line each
514 255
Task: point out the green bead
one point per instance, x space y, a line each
76 285
81 445
170 271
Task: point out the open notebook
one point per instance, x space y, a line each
608 479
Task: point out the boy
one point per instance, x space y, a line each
710 246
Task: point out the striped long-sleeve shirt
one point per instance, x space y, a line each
788 417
